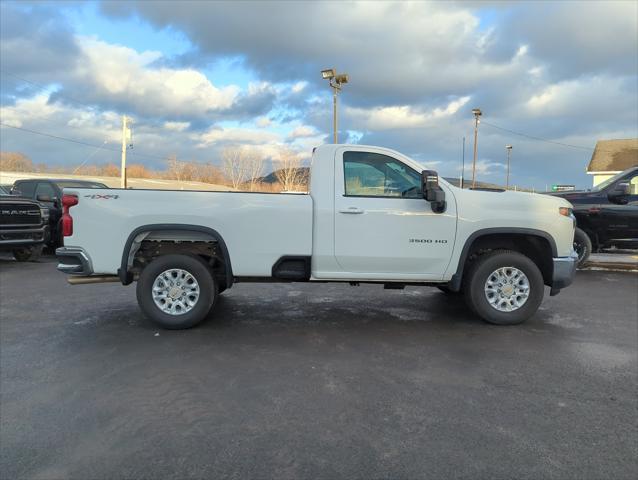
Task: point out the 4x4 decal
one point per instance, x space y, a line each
102 197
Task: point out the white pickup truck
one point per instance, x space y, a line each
372 215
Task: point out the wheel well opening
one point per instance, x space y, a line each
148 246
535 247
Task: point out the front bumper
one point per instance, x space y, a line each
564 271
74 260
22 236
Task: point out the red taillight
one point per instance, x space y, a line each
67 221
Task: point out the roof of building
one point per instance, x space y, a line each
614 155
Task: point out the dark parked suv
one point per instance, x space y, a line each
606 215
49 193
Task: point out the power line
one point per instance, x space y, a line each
540 139
94 145
79 142
43 87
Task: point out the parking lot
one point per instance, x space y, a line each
315 381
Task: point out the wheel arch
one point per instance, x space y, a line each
125 275
507 237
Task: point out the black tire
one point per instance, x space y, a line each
478 274
582 246
28 254
207 291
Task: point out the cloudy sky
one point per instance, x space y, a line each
197 76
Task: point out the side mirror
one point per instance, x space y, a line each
618 193
432 191
44 198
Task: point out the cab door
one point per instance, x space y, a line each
383 226
619 221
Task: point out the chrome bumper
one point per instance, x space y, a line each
74 261
564 272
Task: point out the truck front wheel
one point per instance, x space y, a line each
582 246
504 287
176 291
27 254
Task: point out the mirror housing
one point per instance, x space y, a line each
44 198
432 191
619 193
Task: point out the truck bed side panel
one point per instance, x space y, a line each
257 228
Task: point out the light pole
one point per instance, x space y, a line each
509 153
463 165
336 81
477 113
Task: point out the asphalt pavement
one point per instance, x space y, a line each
315 381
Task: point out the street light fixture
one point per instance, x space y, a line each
477 113
330 73
336 81
509 153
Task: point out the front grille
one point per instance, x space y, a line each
20 214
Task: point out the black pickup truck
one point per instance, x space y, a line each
24 227
606 215
48 192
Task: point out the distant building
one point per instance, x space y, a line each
611 157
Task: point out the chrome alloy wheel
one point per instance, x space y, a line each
507 289
175 291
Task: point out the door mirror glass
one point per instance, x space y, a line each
432 191
44 198
619 193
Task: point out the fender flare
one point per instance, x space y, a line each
455 282
126 277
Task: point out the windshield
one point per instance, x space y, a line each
609 181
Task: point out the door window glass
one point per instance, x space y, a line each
633 185
369 174
45 189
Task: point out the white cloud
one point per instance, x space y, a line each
263 122
404 116
176 126
299 87
120 75
303 131
235 136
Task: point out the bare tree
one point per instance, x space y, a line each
209 173
234 164
175 168
181 171
254 166
15 162
288 170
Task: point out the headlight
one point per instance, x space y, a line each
44 212
566 211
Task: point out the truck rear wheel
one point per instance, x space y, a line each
504 287
176 291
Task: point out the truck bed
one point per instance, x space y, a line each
258 228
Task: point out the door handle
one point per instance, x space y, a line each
354 210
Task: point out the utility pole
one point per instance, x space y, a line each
509 153
334 114
127 142
477 113
123 168
336 81
463 165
